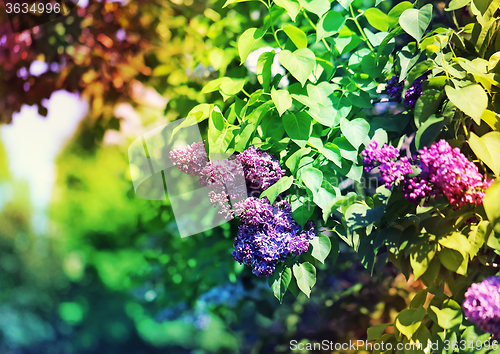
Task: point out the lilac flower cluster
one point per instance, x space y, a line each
391 170
482 305
444 171
191 159
394 89
268 235
257 168
414 91
261 170
222 177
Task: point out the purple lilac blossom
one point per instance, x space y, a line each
452 174
414 91
223 178
190 159
482 305
372 155
392 172
261 170
444 171
268 235
394 88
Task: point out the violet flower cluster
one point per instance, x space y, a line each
257 169
394 89
444 171
482 305
261 170
268 235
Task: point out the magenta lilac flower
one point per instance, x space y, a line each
482 305
392 172
373 156
268 235
394 88
444 171
261 170
191 159
452 174
246 174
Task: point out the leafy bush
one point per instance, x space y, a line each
326 117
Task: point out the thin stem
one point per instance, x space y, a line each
326 61
246 93
355 19
275 36
314 26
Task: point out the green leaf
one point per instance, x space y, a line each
318 7
396 11
487 148
453 260
355 130
305 274
247 41
292 7
312 178
298 126
377 19
429 130
415 22
331 23
347 151
375 332
297 36
276 189
231 87
325 195
299 63
229 2
302 209
197 115
450 315
264 69
293 161
472 100
360 215
332 153
421 256
345 3
457 4
490 202
321 247
408 321
419 299
427 104
281 99
279 281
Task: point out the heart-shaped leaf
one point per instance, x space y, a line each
299 63
472 100
247 41
281 99
415 22
355 130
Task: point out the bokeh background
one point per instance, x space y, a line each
88 267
